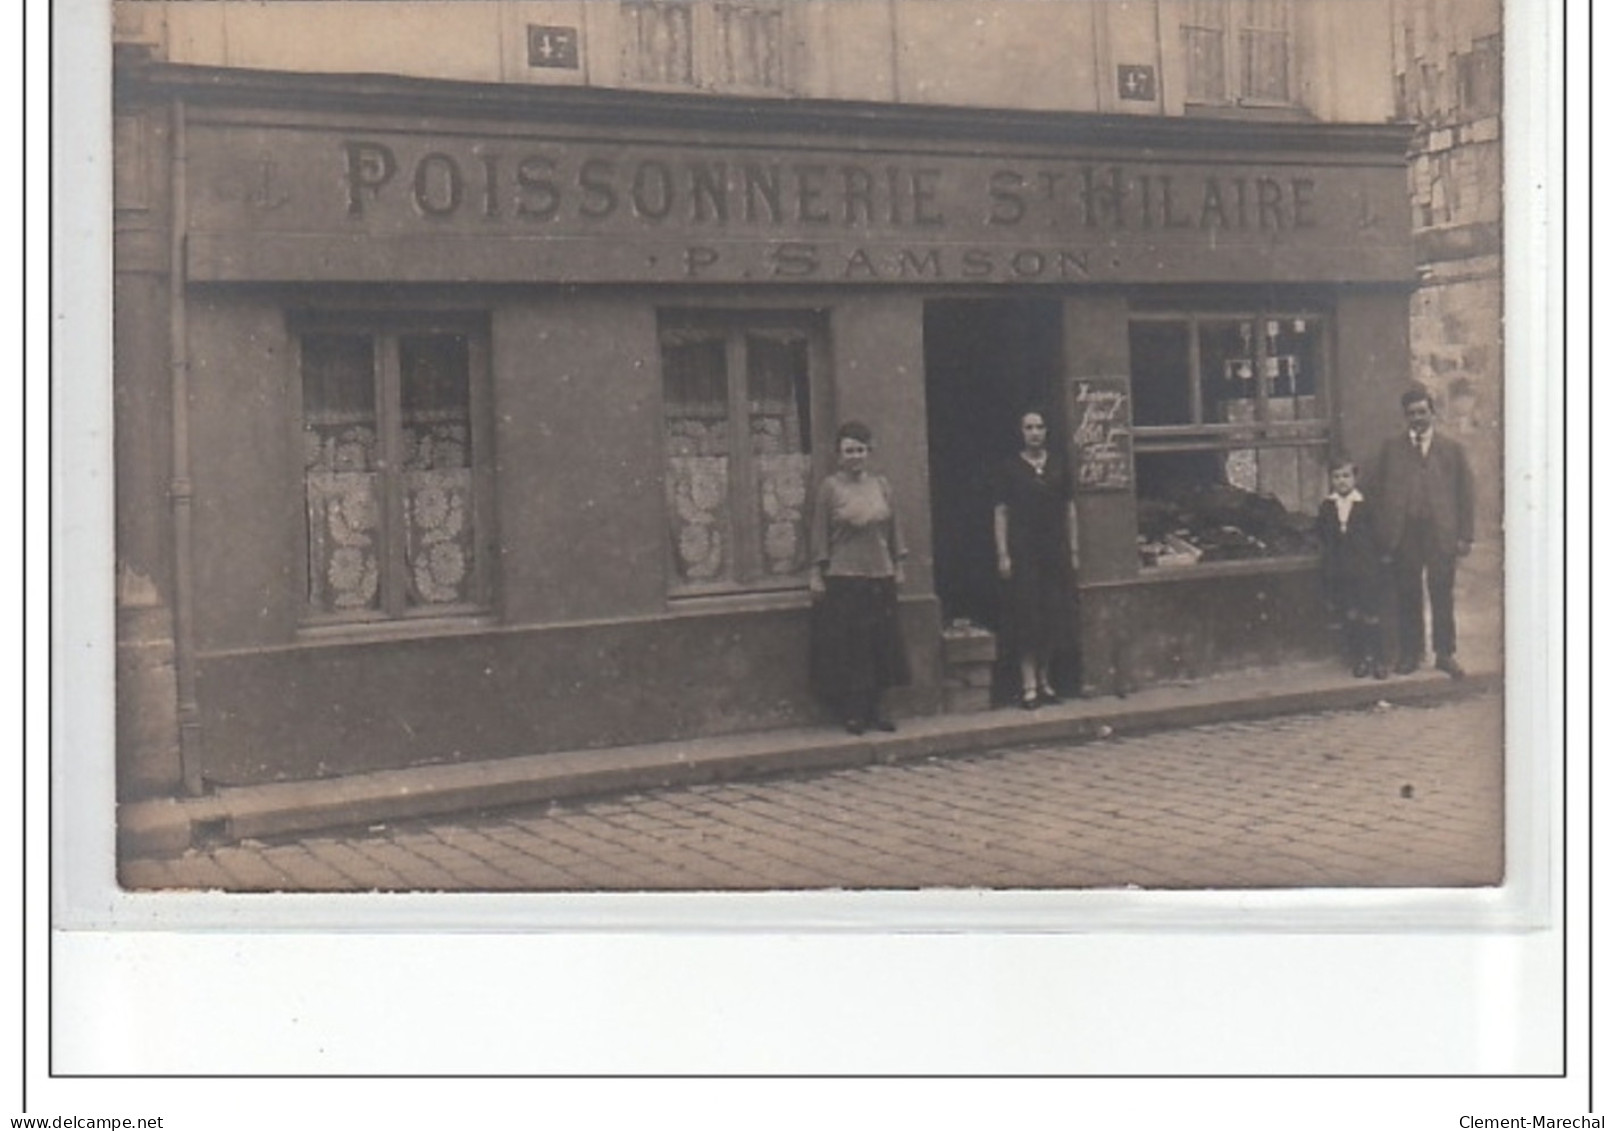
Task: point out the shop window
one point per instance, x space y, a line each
738 420
730 45
1238 52
393 472
1231 435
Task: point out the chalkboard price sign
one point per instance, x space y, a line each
1101 437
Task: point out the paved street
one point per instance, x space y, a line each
1403 795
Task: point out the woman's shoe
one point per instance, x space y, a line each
1048 696
855 726
882 723
1030 700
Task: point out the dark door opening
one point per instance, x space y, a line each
986 362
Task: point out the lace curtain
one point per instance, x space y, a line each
777 400
340 459
712 543
346 490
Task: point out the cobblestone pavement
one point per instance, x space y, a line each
1389 796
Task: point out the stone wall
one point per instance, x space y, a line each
1449 81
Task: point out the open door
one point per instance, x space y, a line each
986 362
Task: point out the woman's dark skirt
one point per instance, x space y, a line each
1039 608
857 640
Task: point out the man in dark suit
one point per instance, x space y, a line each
1426 508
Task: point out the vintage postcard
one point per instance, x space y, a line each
889 465
693 445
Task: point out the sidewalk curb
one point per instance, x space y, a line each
169 826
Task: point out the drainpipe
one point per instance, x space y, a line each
179 488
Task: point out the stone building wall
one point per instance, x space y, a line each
1449 81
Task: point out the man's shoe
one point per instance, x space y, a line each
882 723
1451 666
1380 672
1360 669
1406 667
855 726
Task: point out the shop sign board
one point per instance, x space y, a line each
325 203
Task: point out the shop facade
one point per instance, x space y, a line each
462 421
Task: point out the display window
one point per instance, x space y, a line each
394 479
738 418
1231 434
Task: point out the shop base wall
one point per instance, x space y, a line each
147 705
1158 630
332 709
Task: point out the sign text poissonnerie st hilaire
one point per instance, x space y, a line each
546 185
518 207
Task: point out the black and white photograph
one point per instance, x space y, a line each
694 445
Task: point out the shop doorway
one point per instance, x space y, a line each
986 361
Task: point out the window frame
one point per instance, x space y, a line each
710 61
1317 433
1199 434
1232 31
744 529
384 328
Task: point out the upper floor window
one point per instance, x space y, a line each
739 417
751 46
395 472
731 45
1238 51
660 42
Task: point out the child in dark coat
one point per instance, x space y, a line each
1354 575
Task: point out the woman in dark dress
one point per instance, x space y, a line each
1035 532
857 642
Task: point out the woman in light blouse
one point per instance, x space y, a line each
858 553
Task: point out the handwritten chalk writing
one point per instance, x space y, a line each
1101 438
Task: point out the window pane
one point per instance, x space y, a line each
751 43
1190 511
434 390
1228 366
659 41
1265 50
1298 478
1203 61
341 484
1265 61
1160 373
1294 349
695 395
777 399
1247 492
